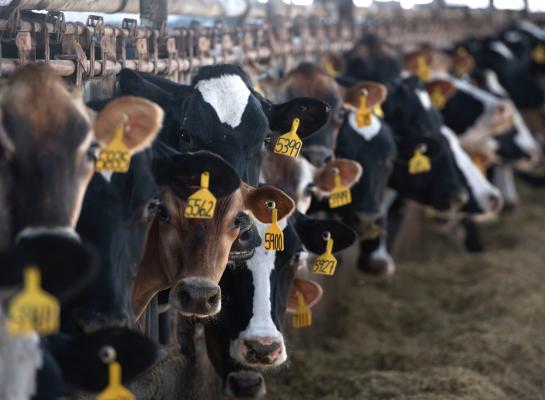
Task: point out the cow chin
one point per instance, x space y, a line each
258 352
245 385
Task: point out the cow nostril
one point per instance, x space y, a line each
262 351
495 202
213 300
459 198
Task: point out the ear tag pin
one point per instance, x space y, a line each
202 203
302 316
422 68
538 54
33 309
289 144
340 195
363 116
115 157
438 99
326 263
419 163
274 237
115 390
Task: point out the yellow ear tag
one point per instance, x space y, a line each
422 69
330 69
201 204
326 263
115 390
340 195
458 67
538 54
363 115
302 316
419 163
33 309
438 99
274 237
378 111
289 144
258 88
479 162
115 157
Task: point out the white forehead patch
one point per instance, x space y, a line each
501 49
424 98
532 29
228 95
367 132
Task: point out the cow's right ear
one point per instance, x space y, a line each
141 119
350 172
311 291
446 88
132 83
257 200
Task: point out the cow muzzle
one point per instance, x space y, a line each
196 297
245 385
262 351
369 226
35 231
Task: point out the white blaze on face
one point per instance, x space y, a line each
480 187
261 324
502 50
367 132
306 178
424 98
228 95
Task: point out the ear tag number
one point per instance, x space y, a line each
274 237
340 195
115 390
326 263
115 157
302 316
538 54
378 111
33 309
422 68
419 163
363 116
289 144
438 99
202 203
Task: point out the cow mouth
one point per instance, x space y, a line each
241 255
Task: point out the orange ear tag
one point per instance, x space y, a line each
419 163
289 144
340 195
115 390
326 263
274 237
115 157
363 115
538 54
422 69
33 309
438 99
302 316
202 203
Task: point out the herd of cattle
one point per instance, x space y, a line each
168 197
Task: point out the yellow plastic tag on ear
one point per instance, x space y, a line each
115 157
202 203
326 263
419 163
258 88
480 162
340 195
302 316
378 111
363 115
289 144
438 99
115 390
33 309
422 69
274 237
330 69
538 54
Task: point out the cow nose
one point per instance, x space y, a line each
263 351
369 226
458 198
245 385
198 297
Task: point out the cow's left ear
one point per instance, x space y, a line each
311 291
446 88
141 119
350 172
312 113
312 231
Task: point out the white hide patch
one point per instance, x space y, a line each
480 187
261 324
513 36
306 178
502 49
424 98
532 29
505 181
228 95
367 132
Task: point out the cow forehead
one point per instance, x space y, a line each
228 95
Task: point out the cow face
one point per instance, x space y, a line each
256 295
221 113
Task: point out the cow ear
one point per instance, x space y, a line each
350 172
374 92
311 291
446 88
132 83
182 173
312 113
311 232
141 119
256 201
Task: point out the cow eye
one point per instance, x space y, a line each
268 139
92 152
309 189
241 221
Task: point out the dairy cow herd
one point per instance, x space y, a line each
222 198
